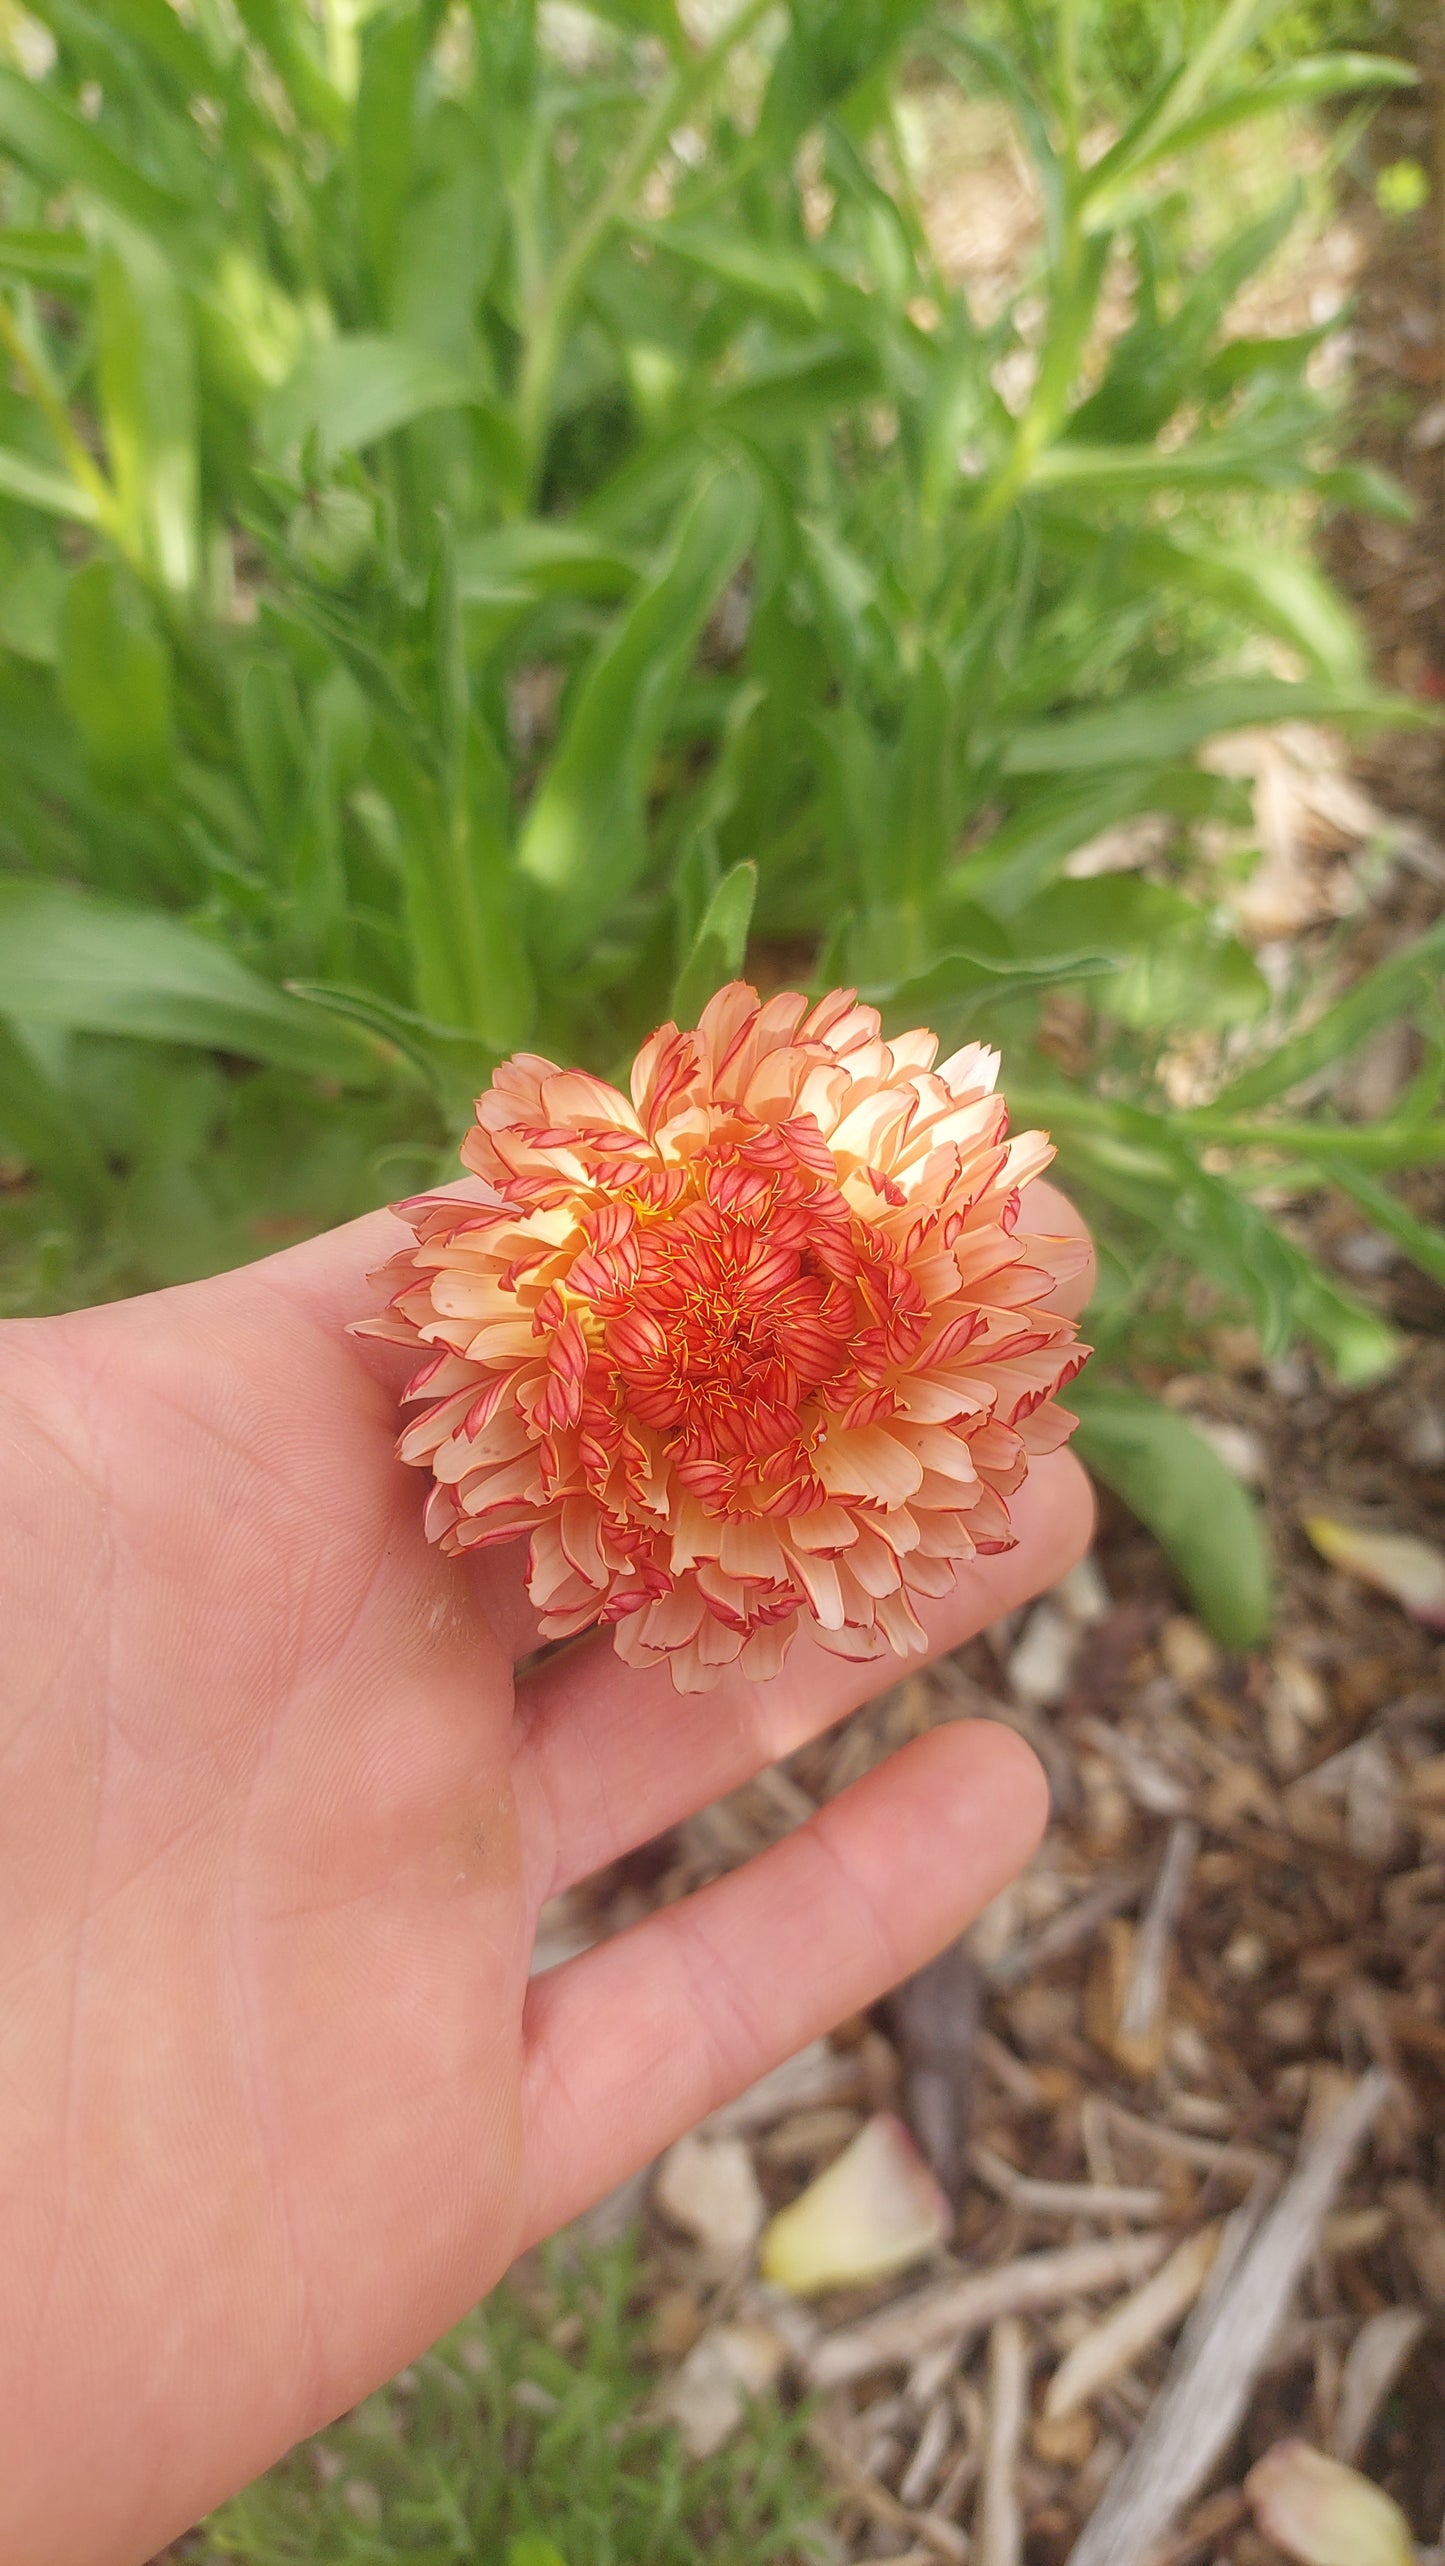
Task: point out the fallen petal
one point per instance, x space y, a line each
875 2210
1411 1571
1325 2514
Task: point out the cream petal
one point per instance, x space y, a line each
502 1440
748 1547
867 1461
717 1643
586 1104
819 1579
972 1067
674 1618
948 1455
765 1651
829 1527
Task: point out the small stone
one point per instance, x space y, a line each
1287 2022
1246 1956
707 2187
1040 1666
677 2322
1083 1595
1188 1652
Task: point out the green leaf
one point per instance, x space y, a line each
542 557
532 2550
384 131
54 260
39 1120
1176 1484
1115 199
285 33
148 401
98 967
1174 968
720 945
583 840
1423 1244
61 146
35 486
1392 990
1167 721
453 1064
348 392
115 677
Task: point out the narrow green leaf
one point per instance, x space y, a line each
1167 721
453 1064
1391 990
35 486
285 33
1198 1512
1302 84
115 676
148 400
720 945
51 139
542 557
384 132
583 841
348 392
1423 1244
98 967
54 260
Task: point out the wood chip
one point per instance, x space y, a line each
1204 2397
1132 2326
955 2309
1035 2198
1000 2512
1374 2362
1158 1927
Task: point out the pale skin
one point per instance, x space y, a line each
277 2102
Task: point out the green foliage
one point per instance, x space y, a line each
525 2439
482 534
1176 1484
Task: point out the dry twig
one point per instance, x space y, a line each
1000 2513
965 2306
1209 2384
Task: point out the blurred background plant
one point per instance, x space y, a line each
505 512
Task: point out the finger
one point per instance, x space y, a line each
1047 1213
611 1754
636 2041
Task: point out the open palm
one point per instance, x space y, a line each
277 2102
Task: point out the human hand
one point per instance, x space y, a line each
277 2101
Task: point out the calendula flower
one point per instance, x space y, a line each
759 1345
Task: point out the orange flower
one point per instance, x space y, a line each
762 1345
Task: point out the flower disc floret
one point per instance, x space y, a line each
759 1345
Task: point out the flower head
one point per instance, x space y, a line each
760 1345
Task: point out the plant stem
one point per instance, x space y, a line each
674 100
1397 1144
